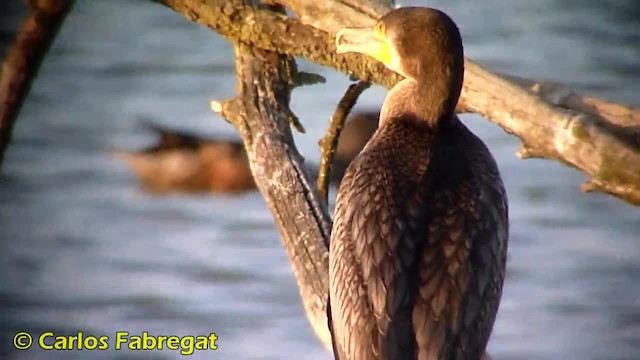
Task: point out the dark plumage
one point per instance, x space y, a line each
418 246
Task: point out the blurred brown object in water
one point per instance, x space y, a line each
184 162
181 161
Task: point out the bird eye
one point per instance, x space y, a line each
380 28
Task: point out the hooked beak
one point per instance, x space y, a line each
366 41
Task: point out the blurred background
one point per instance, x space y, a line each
83 248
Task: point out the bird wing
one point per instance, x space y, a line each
461 270
373 255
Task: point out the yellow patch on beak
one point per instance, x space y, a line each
369 41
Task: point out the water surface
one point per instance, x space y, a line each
83 249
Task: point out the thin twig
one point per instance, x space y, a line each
329 143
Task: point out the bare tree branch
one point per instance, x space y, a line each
23 60
561 96
259 112
329 143
595 136
607 152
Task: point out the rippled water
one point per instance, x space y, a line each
83 249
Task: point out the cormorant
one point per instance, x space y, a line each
419 240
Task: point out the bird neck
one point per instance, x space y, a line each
431 102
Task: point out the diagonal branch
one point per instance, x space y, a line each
595 136
23 60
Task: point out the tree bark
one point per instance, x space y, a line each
260 113
600 138
24 58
